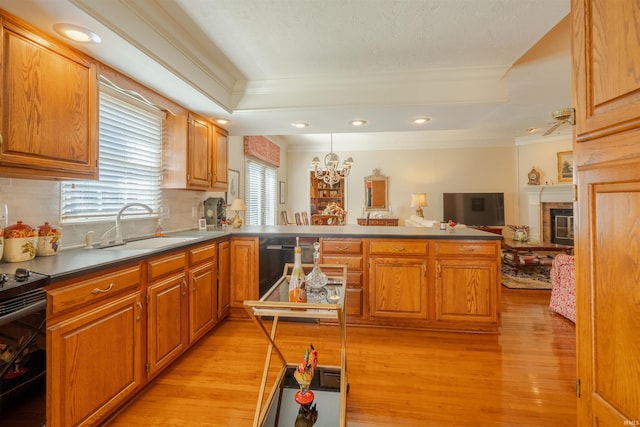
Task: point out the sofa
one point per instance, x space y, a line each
563 286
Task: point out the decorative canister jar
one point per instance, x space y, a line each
19 243
48 240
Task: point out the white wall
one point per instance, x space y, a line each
434 171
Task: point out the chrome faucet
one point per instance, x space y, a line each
104 240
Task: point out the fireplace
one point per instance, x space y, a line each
540 200
561 226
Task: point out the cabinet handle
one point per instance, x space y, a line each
467 249
398 249
139 304
342 248
424 270
195 284
438 271
184 287
102 291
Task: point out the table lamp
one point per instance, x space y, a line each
418 200
237 205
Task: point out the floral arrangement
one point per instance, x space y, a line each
335 209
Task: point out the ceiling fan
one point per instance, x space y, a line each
565 115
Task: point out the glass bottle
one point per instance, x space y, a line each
298 280
316 279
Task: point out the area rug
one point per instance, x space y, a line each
526 279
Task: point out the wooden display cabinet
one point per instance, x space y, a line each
322 194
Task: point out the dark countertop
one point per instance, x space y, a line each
75 262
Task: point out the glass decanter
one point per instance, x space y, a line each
316 279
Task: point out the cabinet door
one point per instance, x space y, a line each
220 160
167 322
199 153
465 290
398 288
49 106
606 57
98 362
203 300
244 272
224 258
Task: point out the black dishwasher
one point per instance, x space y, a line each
275 252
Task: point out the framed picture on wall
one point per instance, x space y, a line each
565 166
234 186
283 192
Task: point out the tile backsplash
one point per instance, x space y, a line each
33 202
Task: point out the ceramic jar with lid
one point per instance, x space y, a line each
48 240
19 243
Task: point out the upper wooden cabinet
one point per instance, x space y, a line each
606 64
220 180
49 106
195 154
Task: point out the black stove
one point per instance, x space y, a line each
19 282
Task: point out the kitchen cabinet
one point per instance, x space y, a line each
220 180
244 273
467 282
606 153
199 151
348 252
167 310
398 281
195 153
49 106
95 356
203 290
224 265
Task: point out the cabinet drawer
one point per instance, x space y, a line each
399 247
470 248
202 254
86 291
350 261
341 246
165 265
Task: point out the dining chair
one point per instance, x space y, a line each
305 218
298 219
285 218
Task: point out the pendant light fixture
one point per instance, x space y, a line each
331 174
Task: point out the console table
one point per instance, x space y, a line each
513 253
393 222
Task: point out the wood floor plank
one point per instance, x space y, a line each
524 376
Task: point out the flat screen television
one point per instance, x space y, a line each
475 209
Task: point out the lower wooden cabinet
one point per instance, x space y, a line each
349 252
397 288
98 361
244 273
203 297
224 266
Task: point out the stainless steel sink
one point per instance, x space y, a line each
152 243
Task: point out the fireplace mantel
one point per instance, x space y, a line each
539 194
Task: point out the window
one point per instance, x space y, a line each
129 161
261 194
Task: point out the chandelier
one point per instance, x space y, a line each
331 174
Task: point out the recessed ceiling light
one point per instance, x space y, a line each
421 120
358 122
299 125
221 121
77 34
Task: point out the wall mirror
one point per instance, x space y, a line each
376 196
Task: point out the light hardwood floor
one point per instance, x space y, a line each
525 376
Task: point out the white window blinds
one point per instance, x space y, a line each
261 190
129 162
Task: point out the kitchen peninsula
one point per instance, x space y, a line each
153 299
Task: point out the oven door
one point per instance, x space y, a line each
23 360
